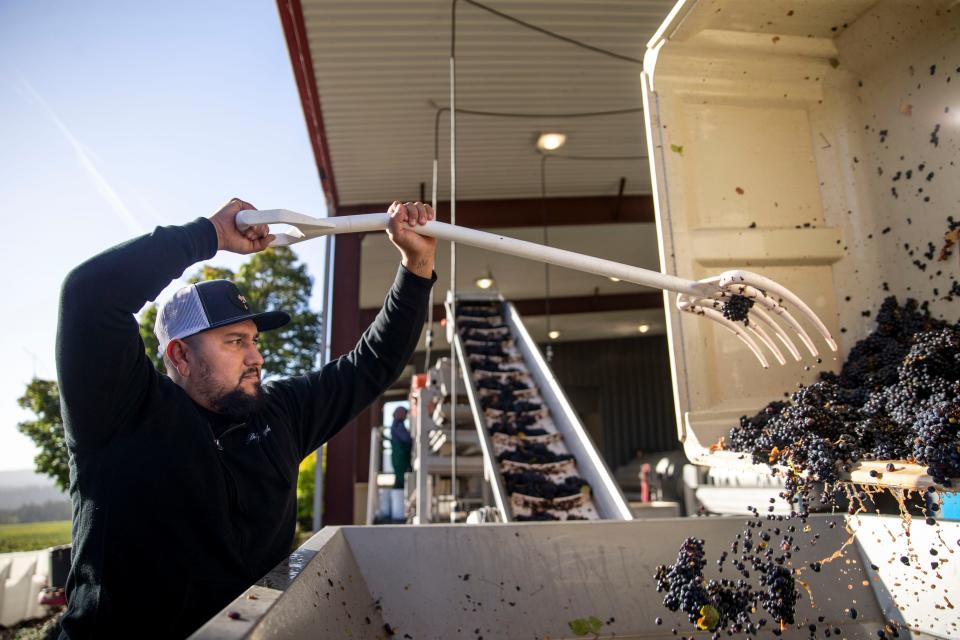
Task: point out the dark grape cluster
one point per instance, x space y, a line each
538 516
737 308
779 596
896 397
490 310
492 348
516 425
533 453
937 442
682 582
531 483
506 386
765 582
506 402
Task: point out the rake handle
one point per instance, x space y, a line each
365 223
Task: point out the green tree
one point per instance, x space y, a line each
305 483
42 397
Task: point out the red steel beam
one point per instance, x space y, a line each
559 306
295 32
342 456
528 212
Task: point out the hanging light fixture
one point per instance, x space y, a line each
551 141
485 281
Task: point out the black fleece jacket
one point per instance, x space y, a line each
175 510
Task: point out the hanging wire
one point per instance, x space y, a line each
569 157
546 243
453 261
453 110
510 114
553 34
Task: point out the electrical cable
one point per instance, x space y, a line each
553 34
510 114
453 261
546 243
453 110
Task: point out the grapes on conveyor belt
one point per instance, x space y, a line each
464 324
540 516
506 400
479 335
491 349
508 386
491 365
531 483
533 453
514 428
508 404
479 312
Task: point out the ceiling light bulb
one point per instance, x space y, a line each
551 141
486 280
614 279
643 328
554 334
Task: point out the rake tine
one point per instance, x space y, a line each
765 338
761 335
766 284
685 304
759 313
772 305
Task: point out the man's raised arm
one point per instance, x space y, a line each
326 400
102 369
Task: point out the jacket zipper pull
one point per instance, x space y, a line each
216 441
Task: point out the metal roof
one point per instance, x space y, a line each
382 66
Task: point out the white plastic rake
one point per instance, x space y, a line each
706 298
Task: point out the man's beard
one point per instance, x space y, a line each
238 403
235 403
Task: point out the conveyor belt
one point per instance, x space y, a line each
541 462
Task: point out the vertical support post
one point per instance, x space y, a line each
345 331
423 424
453 257
322 360
373 489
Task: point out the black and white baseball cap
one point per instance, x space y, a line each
208 305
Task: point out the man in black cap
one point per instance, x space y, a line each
184 486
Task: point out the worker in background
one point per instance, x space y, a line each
184 486
401 445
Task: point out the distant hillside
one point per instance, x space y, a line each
21 487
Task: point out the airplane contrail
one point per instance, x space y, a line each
99 181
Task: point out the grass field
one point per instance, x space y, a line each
34 535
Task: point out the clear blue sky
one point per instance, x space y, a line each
116 117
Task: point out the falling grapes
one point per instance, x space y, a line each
682 581
896 397
726 604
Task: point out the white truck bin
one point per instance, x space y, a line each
815 142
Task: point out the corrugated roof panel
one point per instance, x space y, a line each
379 65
